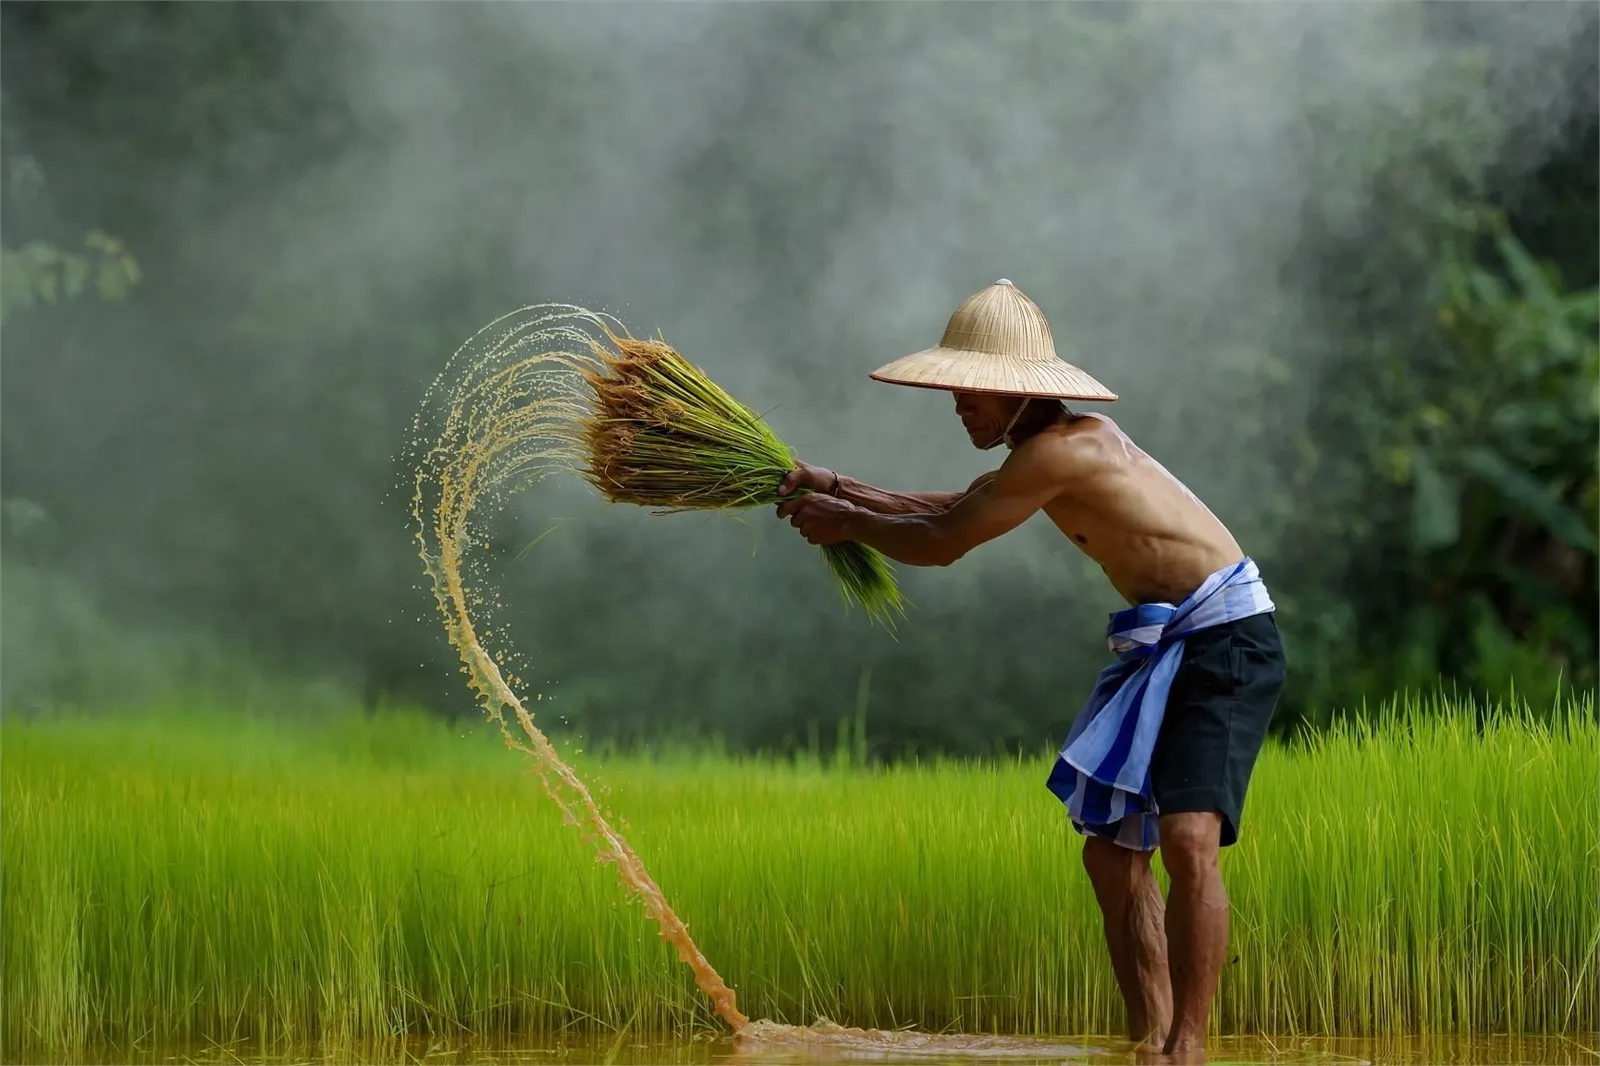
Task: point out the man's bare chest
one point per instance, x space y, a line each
1089 528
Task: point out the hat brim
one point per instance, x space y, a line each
962 370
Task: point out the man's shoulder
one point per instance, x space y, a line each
1090 424
1077 440
1068 450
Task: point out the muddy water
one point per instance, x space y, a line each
1012 1051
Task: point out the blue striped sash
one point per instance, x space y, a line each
1102 773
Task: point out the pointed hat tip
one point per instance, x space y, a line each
1003 281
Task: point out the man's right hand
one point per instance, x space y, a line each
806 476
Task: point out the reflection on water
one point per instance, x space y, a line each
829 1044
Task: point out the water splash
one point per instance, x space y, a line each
826 1040
513 396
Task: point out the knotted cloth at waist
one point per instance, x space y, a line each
1102 773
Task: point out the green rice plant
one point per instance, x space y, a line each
202 875
662 434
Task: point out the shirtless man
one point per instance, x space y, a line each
1163 762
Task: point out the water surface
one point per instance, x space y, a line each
629 1050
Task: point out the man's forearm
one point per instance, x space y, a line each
885 502
912 539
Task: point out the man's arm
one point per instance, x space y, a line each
888 502
879 501
1027 481
994 508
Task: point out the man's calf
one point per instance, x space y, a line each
1130 907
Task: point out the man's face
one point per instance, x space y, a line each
985 416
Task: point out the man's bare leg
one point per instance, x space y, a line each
1130 908
1197 925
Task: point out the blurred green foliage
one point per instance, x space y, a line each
40 272
1466 451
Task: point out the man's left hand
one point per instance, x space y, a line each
822 520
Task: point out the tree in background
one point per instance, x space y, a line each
1469 456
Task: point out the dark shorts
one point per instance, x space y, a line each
1221 702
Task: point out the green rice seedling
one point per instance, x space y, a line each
195 876
662 434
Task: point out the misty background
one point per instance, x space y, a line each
1339 261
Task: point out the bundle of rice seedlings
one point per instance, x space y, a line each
662 434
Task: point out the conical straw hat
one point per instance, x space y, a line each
997 341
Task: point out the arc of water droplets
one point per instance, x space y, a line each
513 396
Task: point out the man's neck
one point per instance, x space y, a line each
1037 416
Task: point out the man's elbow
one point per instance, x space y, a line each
943 552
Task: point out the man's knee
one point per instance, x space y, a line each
1109 864
1189 844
